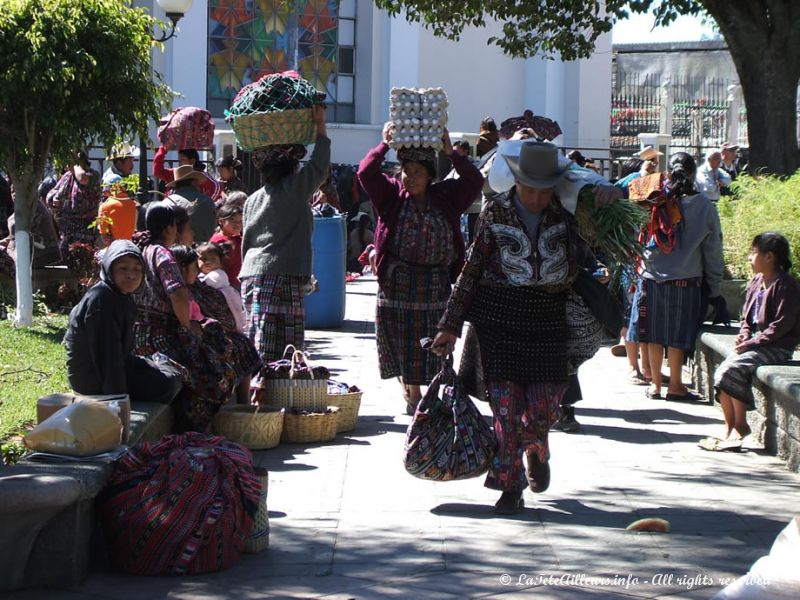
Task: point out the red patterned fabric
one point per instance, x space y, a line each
188 127
183 505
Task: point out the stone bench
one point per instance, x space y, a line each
776 420
53 538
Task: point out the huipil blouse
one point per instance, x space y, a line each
388 195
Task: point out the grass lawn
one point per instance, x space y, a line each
32 364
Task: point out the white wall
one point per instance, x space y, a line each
479 79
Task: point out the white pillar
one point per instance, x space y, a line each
666 108
734 106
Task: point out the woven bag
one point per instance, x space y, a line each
249 426
181 506
304 394
188 127
448 438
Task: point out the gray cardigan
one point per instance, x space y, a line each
698 249
276 239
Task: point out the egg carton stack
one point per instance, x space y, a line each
419 117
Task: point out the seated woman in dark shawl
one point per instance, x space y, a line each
99 338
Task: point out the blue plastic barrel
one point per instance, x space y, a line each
325 307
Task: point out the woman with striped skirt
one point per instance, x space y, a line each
419 252
680 257
276 242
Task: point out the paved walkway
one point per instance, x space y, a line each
348 522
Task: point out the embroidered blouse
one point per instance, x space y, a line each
422 237
163 278
503 255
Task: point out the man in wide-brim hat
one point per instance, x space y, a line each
513 289
186 194
122 162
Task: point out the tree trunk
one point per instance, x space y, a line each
764 43
24 203
24 316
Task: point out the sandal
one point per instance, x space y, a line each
654 395
618 350
510 503
537 473
713 444
637 379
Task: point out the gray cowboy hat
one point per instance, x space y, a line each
537 165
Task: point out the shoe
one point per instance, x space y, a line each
567 422
713 444
510 503
538 473
618 350
687 397
654 395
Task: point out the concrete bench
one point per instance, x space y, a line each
776 420
54 539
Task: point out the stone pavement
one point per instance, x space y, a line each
348 522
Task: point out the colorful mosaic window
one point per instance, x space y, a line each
248 39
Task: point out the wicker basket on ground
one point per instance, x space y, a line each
254 427
348 409
310 427
258 539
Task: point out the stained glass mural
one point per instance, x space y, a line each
248 39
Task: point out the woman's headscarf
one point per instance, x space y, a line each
118 249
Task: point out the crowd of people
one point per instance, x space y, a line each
199 290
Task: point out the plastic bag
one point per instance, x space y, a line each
83 428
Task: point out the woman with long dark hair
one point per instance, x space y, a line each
163 323
682 254
276 242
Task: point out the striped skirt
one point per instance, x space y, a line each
523 415
411 300
666 313
274 312
735 375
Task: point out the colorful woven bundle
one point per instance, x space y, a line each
276 109
188 127
183 505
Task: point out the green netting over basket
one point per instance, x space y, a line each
276 109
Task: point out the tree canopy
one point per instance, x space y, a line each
72 71
763 39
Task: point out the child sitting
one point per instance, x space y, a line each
100 338
769 332
186 258
229 218
211 258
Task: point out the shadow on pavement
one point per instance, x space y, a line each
646 415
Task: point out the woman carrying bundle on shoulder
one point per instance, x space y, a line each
419 252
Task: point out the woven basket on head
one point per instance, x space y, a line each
258 539
348 409
276 109
313 427
254 427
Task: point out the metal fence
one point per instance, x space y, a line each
696 111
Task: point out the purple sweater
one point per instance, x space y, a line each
779 318
452 197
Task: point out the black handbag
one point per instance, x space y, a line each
600 301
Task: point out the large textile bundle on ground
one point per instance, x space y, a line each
188 127
183 505
276 109
448 438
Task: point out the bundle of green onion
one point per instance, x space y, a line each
612 230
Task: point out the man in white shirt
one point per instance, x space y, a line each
710 177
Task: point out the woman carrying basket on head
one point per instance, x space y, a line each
419 251
276 242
